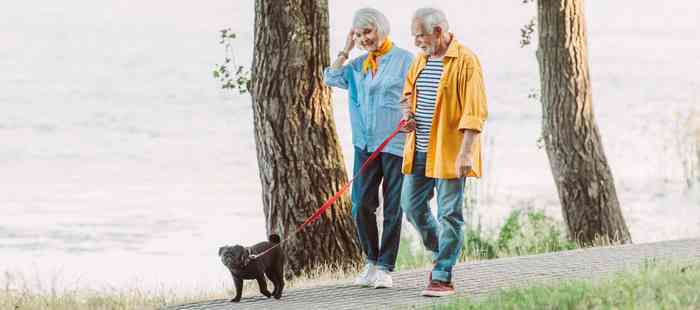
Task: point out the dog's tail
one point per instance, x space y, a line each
274 238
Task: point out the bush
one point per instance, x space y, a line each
525 231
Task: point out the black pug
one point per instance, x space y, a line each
243 266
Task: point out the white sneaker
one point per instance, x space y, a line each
382 279
366 277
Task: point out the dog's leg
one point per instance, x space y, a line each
279 273
278 280
271 275
279 286
275 275
263 286
239 288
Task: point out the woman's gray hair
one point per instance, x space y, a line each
371 18
431 18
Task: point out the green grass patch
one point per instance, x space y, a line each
652 286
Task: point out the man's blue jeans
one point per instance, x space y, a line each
385 169
444 236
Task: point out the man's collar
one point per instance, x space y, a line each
453 48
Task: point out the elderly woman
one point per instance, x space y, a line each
374 82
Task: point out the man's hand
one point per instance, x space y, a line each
408 116
463 164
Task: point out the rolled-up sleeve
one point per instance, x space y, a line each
336 77
473 98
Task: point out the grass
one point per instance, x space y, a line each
18 293
654 286
86 299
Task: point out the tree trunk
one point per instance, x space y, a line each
581 172
299 157
696 168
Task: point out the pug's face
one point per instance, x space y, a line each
234 257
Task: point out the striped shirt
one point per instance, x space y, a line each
426 88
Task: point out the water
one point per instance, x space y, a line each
123 165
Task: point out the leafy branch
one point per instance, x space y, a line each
231 75
526 32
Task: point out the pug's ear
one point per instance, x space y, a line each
221 250
246 256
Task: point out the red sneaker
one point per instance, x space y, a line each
438 289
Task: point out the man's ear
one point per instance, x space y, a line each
437 31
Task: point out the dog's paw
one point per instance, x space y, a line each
235 299
267 294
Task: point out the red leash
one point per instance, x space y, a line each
314 217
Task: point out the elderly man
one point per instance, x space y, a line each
374 82
445 104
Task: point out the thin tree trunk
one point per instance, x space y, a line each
584 180
696 168
299 157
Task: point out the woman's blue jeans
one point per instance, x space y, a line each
385 170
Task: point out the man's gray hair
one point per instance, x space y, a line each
371 18
431 18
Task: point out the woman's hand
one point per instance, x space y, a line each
407 115
349 42
345 53
410 124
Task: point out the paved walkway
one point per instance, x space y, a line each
473 278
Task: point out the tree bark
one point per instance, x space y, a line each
579 167
299 157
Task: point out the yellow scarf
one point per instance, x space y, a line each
371 61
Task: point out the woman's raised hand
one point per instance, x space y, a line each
349 42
